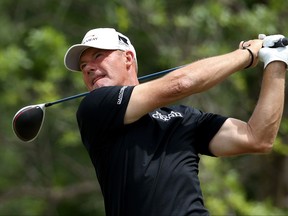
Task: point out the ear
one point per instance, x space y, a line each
129 57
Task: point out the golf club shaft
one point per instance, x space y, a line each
66 99
145 77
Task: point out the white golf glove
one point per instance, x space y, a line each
268 55
269 41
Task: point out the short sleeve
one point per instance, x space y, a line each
208 125
102 112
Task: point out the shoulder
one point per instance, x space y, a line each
105 100
109 91
109 95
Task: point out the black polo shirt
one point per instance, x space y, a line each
149 167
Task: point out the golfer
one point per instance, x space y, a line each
146 151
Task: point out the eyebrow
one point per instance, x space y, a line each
95 51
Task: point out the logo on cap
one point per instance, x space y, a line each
123 40
91 38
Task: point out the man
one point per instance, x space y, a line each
146 152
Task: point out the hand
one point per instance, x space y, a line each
254 46
268 55
269 41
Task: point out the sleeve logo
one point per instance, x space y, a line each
120 96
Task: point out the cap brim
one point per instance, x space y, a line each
72 56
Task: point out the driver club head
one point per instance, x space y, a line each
27 122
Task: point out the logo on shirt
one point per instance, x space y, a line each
120 96
172 114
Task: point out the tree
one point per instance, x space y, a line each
53 175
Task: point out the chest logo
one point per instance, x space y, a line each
167 117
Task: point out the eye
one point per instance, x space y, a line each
96 55
82 66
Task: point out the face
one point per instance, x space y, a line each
106 68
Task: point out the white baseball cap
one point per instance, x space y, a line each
101 38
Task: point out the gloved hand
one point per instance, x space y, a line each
269 41
268 55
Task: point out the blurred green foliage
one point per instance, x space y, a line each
53 175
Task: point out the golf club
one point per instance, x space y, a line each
28 121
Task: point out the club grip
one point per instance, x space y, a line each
281 43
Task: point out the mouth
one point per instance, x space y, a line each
94 81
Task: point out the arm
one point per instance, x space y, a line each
194 78
258 134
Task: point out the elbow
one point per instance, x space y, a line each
262 142
178 87
181 86
262 147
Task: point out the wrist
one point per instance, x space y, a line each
251 58
277 65
247 57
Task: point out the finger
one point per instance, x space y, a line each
261 36
244 44
241 44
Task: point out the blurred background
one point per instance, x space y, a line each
53 175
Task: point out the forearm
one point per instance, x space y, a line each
265 120
204 74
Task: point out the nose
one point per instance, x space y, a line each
89 69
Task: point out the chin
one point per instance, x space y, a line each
99 85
